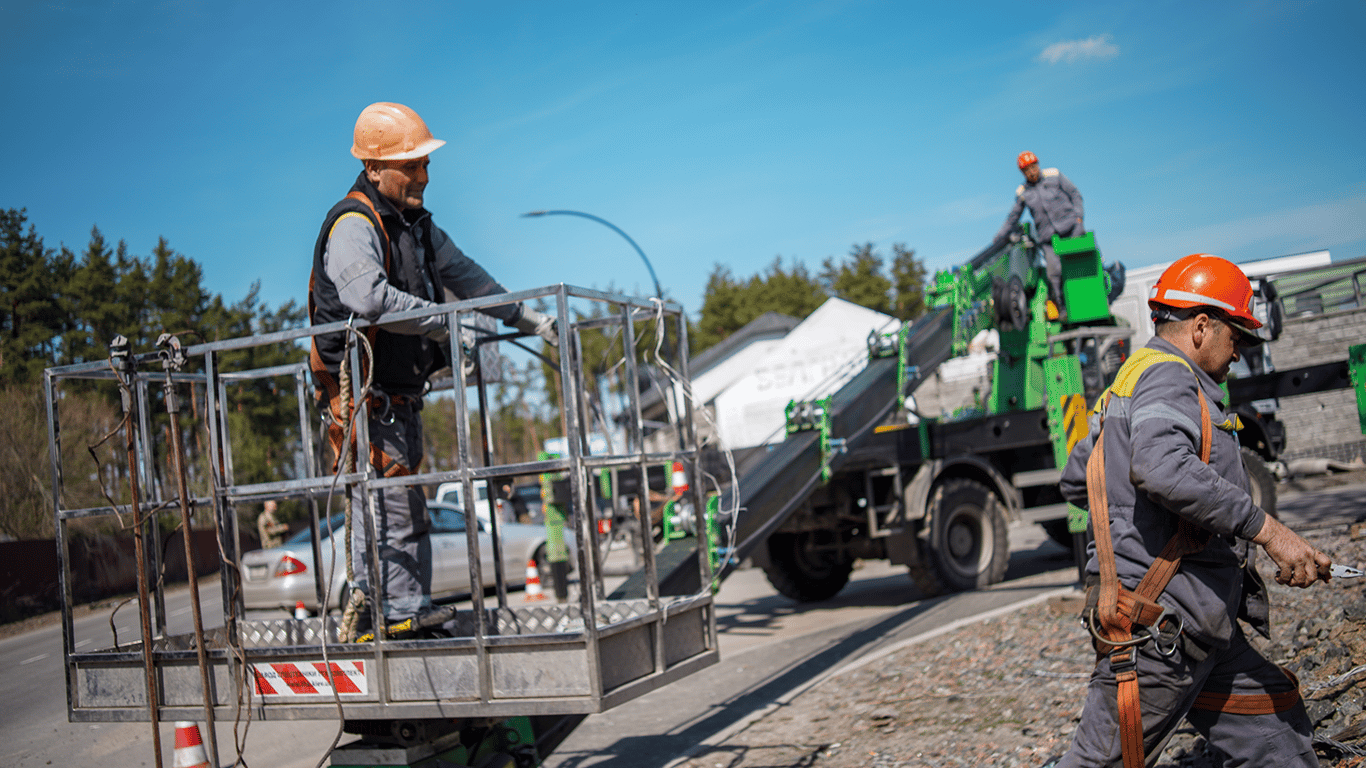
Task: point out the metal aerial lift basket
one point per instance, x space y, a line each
503 660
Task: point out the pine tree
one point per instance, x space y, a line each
859 278
908 283
31 315
729 304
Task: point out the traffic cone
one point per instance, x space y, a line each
679 479
533 582
300 610
189 747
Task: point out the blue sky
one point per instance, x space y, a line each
711 132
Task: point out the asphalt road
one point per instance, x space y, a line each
771 648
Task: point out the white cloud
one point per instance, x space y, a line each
1098 47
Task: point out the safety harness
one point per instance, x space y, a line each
1122 620
335 399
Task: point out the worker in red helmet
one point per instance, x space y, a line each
1171 565
1055 205
377 253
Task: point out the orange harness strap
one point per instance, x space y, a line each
1120 609
1251 703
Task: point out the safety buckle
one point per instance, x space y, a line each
1164 638
1123 660
385 413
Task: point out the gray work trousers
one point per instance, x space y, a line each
405 546
1052 268
1167 689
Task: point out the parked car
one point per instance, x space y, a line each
282 576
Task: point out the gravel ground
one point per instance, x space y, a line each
1008 691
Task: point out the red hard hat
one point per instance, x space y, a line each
1026 159
1204 280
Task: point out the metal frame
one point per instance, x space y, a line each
507 661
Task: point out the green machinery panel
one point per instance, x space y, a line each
1083 278
1065 405
1067 420
1017 382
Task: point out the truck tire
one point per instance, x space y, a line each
804 571
1261 483
968 546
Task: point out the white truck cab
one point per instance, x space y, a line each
454 493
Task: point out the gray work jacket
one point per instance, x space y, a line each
349 277
1153 473
1053 202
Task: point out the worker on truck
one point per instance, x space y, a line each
1174 530
1056 207
379 252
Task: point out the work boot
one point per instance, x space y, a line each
436 622
1054 309
365 630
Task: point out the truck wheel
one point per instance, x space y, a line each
1261 483
800 568
968 546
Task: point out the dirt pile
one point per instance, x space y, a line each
1008 692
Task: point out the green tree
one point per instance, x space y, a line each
908 283
177 300
57 309
730 303
32 318
99 306
518 425
262 413
858 278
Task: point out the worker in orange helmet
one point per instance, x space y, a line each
377 253
1056 207
1171 565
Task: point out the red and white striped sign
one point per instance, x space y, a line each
310 678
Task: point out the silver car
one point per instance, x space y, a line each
283 576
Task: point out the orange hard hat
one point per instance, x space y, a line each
388 131
1204 280
1026 159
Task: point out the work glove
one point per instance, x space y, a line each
467 343
438 332
539 323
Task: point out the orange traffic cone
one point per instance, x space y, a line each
300 610
533 582
189 747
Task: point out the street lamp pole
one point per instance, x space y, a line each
659 292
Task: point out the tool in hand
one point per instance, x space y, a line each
1344 572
